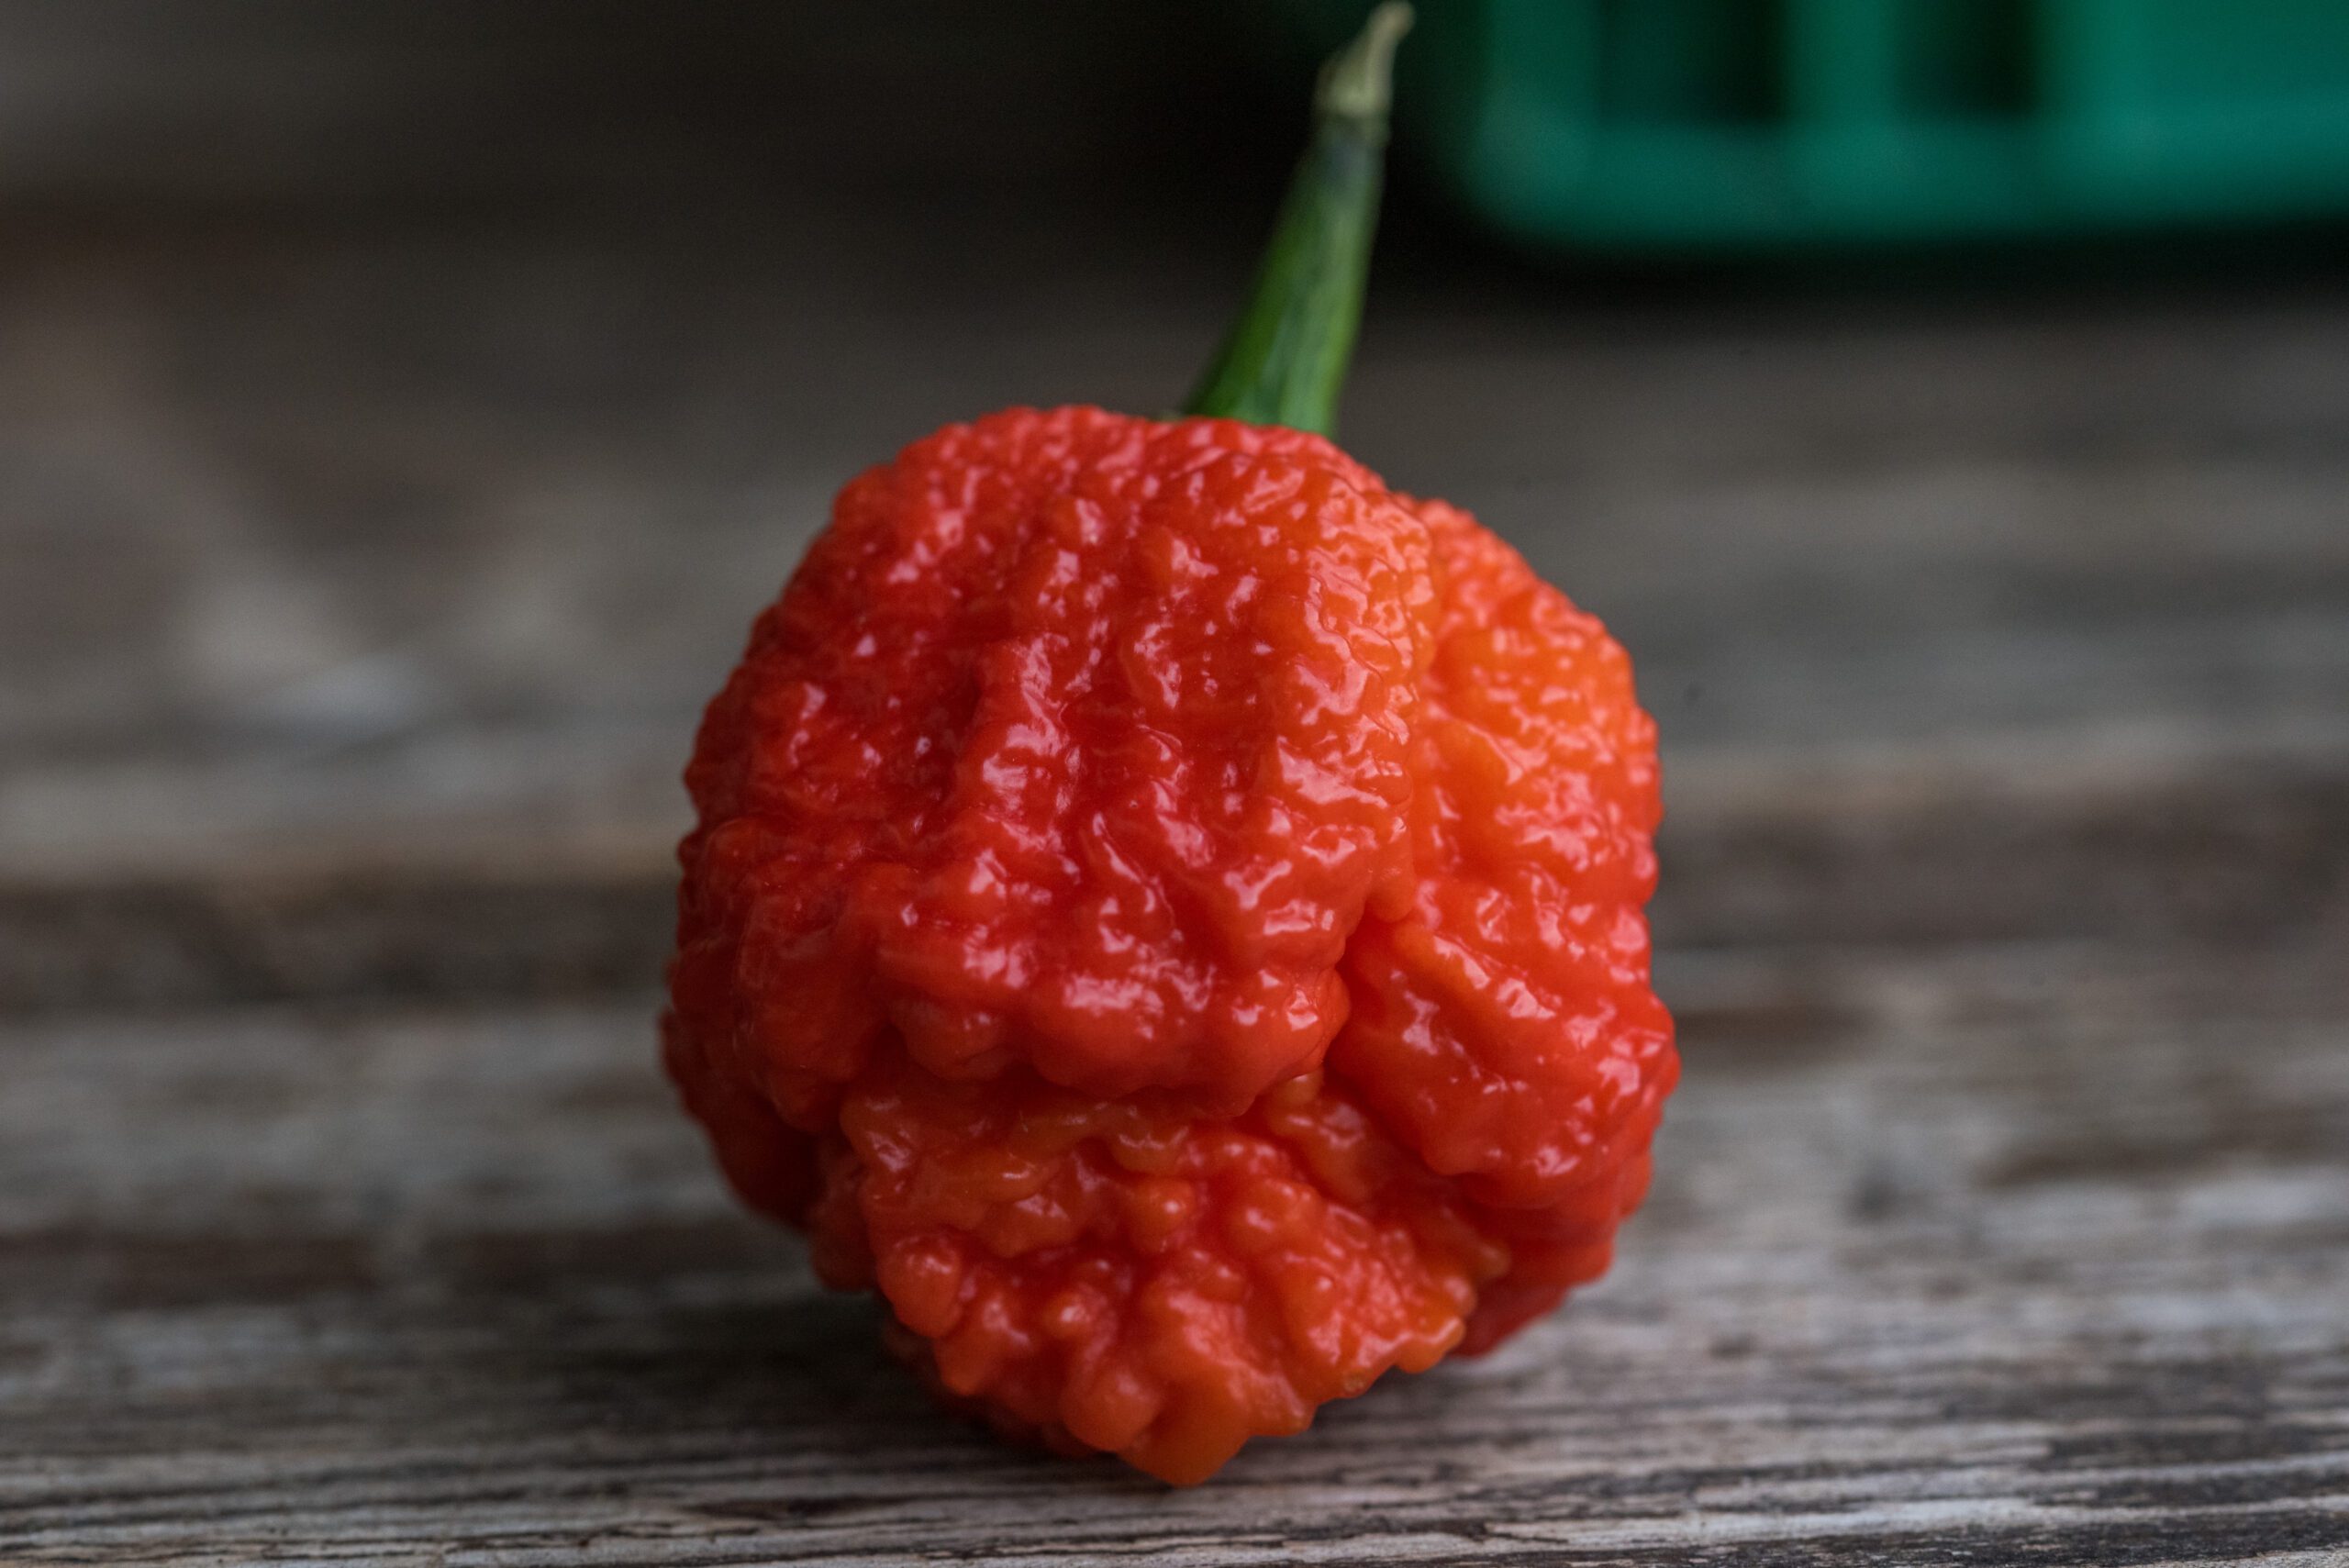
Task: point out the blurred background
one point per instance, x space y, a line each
405 404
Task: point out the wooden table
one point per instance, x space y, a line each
359 581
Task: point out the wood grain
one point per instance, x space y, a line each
1999 1255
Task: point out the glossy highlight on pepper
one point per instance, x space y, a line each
1165 913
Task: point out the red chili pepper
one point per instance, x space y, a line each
1167 909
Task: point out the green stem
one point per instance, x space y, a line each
1285 361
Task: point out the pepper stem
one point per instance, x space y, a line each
1285 361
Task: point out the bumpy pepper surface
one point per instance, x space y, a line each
1166 913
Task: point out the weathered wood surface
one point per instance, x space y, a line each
2004 1216
363 563
1984 1255
2051 598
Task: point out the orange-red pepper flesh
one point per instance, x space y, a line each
1166 911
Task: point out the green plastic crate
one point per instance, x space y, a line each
1690 125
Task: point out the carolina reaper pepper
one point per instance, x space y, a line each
1167 909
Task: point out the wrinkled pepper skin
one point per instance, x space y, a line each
1166 913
